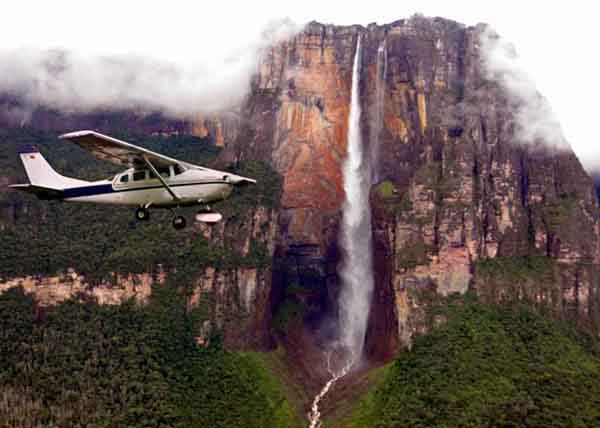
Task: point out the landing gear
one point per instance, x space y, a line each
179 222
142 214
205 208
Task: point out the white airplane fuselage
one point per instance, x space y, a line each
192 186
154 181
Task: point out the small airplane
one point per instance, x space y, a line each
151 181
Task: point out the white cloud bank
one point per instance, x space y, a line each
71 80
536 122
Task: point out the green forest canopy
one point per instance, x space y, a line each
81 364
489 367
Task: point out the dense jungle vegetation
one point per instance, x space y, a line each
85 365
489 367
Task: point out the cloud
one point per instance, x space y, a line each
74 81
536 122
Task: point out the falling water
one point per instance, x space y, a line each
378 110
356 271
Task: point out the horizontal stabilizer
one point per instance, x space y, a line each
45 193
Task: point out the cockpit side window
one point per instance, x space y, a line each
178 169
139 175
124 178
164 173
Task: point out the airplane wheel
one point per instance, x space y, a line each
142 214
179 222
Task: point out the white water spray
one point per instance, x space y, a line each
378 110
357 269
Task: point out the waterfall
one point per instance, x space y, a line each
356 271
378 110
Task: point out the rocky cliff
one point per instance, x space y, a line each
458 202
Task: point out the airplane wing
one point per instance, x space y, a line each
111 149
116 151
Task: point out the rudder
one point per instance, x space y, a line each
40 173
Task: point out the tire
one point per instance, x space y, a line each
179 222
142 214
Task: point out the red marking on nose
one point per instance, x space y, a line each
31 156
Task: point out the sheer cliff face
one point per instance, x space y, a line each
460 203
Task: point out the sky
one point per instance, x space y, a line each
556 41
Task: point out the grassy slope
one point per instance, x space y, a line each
488 367
278 364
349 393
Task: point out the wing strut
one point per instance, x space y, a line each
162 180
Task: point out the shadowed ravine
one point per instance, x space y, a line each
356 270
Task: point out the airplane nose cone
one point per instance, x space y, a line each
239 181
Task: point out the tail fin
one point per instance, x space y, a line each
40 173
